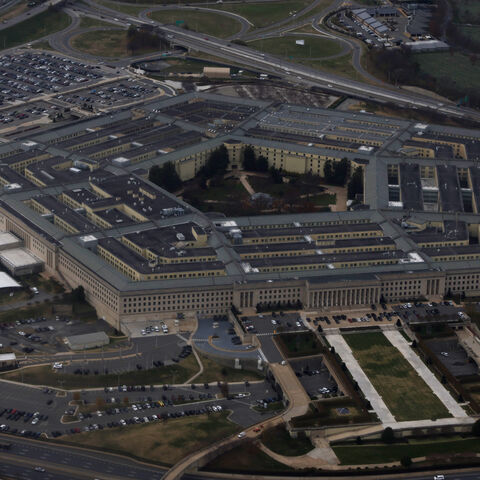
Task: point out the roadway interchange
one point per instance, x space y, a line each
290 72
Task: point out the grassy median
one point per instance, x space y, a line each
405 393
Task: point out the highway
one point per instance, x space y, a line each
70 463
73 463
289 71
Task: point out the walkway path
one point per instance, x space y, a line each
299 400
398 341
342 348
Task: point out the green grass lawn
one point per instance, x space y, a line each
468 11
315 47
279 441
264 14
209 23
473 32
34 28
106 43
161 442
380 453
324 199
340 66
246 458
406 395
299 344
214 372
439 65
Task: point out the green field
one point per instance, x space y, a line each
468 11
264 14
472 32
406 395
339 65
209 23
380 453
439 65
106 43
314 48
41 25
162 442
279 441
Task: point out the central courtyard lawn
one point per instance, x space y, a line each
406 395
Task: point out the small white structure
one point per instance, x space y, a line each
7 282
8 360
300 42
88 340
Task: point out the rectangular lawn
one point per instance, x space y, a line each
404 392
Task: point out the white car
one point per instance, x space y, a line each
445 354
241 434
57 366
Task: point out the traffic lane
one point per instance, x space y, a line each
11 467
86 460
269 348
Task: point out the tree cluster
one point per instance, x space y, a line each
165 176
141 39
336 173
355 185
216 163
78 294
251 163
271 306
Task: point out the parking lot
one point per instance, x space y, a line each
314 376
44 334
117 92
273 323
115 407
453 356
433 312
27 74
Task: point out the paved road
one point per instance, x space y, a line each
29 13
76 463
